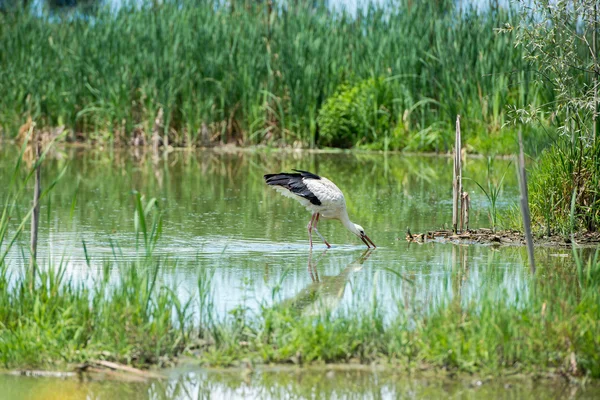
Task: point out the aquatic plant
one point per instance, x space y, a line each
47 318
228 73
492 192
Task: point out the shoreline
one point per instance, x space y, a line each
185 365
234 148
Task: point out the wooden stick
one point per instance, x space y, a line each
456 177
525 204
35 217
464 216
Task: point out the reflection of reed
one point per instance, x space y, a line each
460 272
324 292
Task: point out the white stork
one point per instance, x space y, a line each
320 196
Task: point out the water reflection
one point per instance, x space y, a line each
292 383
324 293
218 215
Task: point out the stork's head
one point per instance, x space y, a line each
360 232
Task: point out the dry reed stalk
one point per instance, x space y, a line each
35 216
525 203
465 203
457 177
156 130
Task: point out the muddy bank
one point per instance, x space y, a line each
503 238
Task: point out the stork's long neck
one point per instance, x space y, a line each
347 223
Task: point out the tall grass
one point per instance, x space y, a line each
254 76
48 319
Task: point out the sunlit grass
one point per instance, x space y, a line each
251 79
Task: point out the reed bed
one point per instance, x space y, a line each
248 73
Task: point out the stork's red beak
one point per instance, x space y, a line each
366 241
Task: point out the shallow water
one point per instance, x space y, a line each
218 215
292 384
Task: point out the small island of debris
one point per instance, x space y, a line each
502 238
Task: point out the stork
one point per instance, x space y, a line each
320 196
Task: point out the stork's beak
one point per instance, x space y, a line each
366 241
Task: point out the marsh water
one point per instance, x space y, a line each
220 217
290 384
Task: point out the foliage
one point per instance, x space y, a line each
48 319
564 170
561 37
227 70
487 336
356 114
492 193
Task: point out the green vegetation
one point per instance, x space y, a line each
492 192
563 38
49 320
554 328
293 75
141 322
61 322
358 114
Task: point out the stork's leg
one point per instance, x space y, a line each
310 228
321 236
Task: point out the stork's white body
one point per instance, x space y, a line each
333 203
320 196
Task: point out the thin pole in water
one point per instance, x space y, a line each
35 217
456 177
525 203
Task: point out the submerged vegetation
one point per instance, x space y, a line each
299 74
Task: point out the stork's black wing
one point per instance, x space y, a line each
295 184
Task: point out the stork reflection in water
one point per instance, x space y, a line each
324 293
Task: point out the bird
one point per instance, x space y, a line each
320 196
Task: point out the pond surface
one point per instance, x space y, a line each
291 384
220 217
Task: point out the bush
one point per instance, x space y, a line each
357 114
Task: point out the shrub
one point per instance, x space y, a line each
357 114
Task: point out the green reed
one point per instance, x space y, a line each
492 192
49 320
253 79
